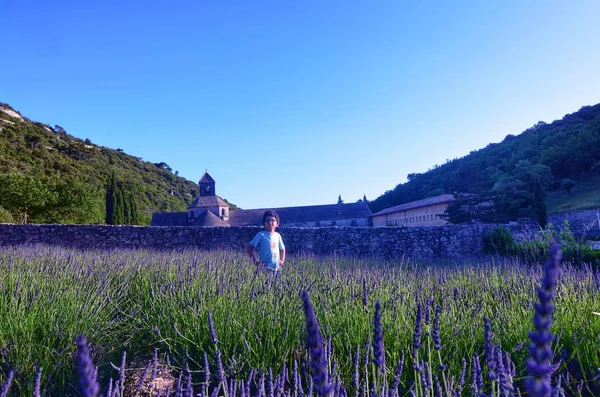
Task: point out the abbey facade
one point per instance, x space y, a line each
210 210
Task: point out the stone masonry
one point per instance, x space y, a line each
453 241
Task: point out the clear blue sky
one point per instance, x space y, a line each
294 102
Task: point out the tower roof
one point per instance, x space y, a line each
206 178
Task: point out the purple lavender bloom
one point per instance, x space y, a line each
6 385
437 387
206 369
38 383
178 389
418 327
437 340
122 372
461 378
211 327
378 348
506 380
425 378
315 345
428 304
270 384
417 338
189 390
356 375
261 386
398 373
142 380
558 390
220 369
476 376
364 292
89 386
109 392
490 357
539 366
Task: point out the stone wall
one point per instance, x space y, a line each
583 222
416 242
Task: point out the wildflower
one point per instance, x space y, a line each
6 385
539 366
378 349
437 341
398 373
315 345
85 366
38 383
211 327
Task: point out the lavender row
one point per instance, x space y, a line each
393 328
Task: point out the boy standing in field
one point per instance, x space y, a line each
268 244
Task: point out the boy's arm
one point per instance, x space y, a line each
281 257
250 251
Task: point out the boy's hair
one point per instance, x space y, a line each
270 213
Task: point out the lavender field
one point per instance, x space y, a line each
207 323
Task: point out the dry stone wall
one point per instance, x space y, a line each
455 241
582 223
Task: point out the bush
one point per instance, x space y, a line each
500 241
574 250
5 216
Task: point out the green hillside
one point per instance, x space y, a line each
584 195
55 177
519 174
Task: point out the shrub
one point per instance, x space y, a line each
574 250
5 216
500 241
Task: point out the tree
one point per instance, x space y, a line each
539 203
5 216
121 206
126 208
25 196
567 184
110 199
119 212
340 201
77 201
134 216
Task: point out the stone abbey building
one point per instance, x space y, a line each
210 210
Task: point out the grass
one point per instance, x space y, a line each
584 195
136 301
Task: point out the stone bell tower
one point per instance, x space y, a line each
207 185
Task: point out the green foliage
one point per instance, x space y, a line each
567 184
584 195
110 199
539 202
40 199
25 196
500 241
63 163
575 250
5 216
505 173
121 205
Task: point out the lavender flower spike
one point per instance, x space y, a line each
89 386
378 350
6 385
539 366
38 383
315 345
211 327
